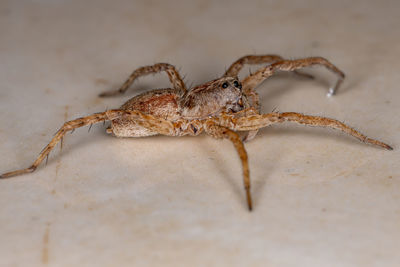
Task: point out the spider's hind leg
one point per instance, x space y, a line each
171 71
68 126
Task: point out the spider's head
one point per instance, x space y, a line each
230 91
211 98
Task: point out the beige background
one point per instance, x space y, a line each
320 198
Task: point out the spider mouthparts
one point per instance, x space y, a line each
240 102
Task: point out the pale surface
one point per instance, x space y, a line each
320 198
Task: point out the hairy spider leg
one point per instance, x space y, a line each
151 122
251 82
237 66
217 131
171 71
257 121
259 76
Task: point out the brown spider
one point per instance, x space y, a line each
219 108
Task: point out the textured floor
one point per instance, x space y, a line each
320 198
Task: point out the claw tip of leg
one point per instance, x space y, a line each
5 175
331 92
249 204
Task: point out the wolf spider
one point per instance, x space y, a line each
220 108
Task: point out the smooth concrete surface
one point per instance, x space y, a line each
321 198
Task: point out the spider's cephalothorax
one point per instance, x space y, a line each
212 98
220 108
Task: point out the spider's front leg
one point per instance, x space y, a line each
254 122
237 66
148 121
217 131
173 76
248 90
251 94
253 80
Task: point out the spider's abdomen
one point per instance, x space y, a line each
161 103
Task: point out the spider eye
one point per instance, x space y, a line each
225 85
237 84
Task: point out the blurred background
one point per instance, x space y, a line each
320 198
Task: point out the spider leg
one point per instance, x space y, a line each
249 91
256 78
144 120
258 121
217 131
254 98
173 76
252 95
237 66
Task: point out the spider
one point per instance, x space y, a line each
220 108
